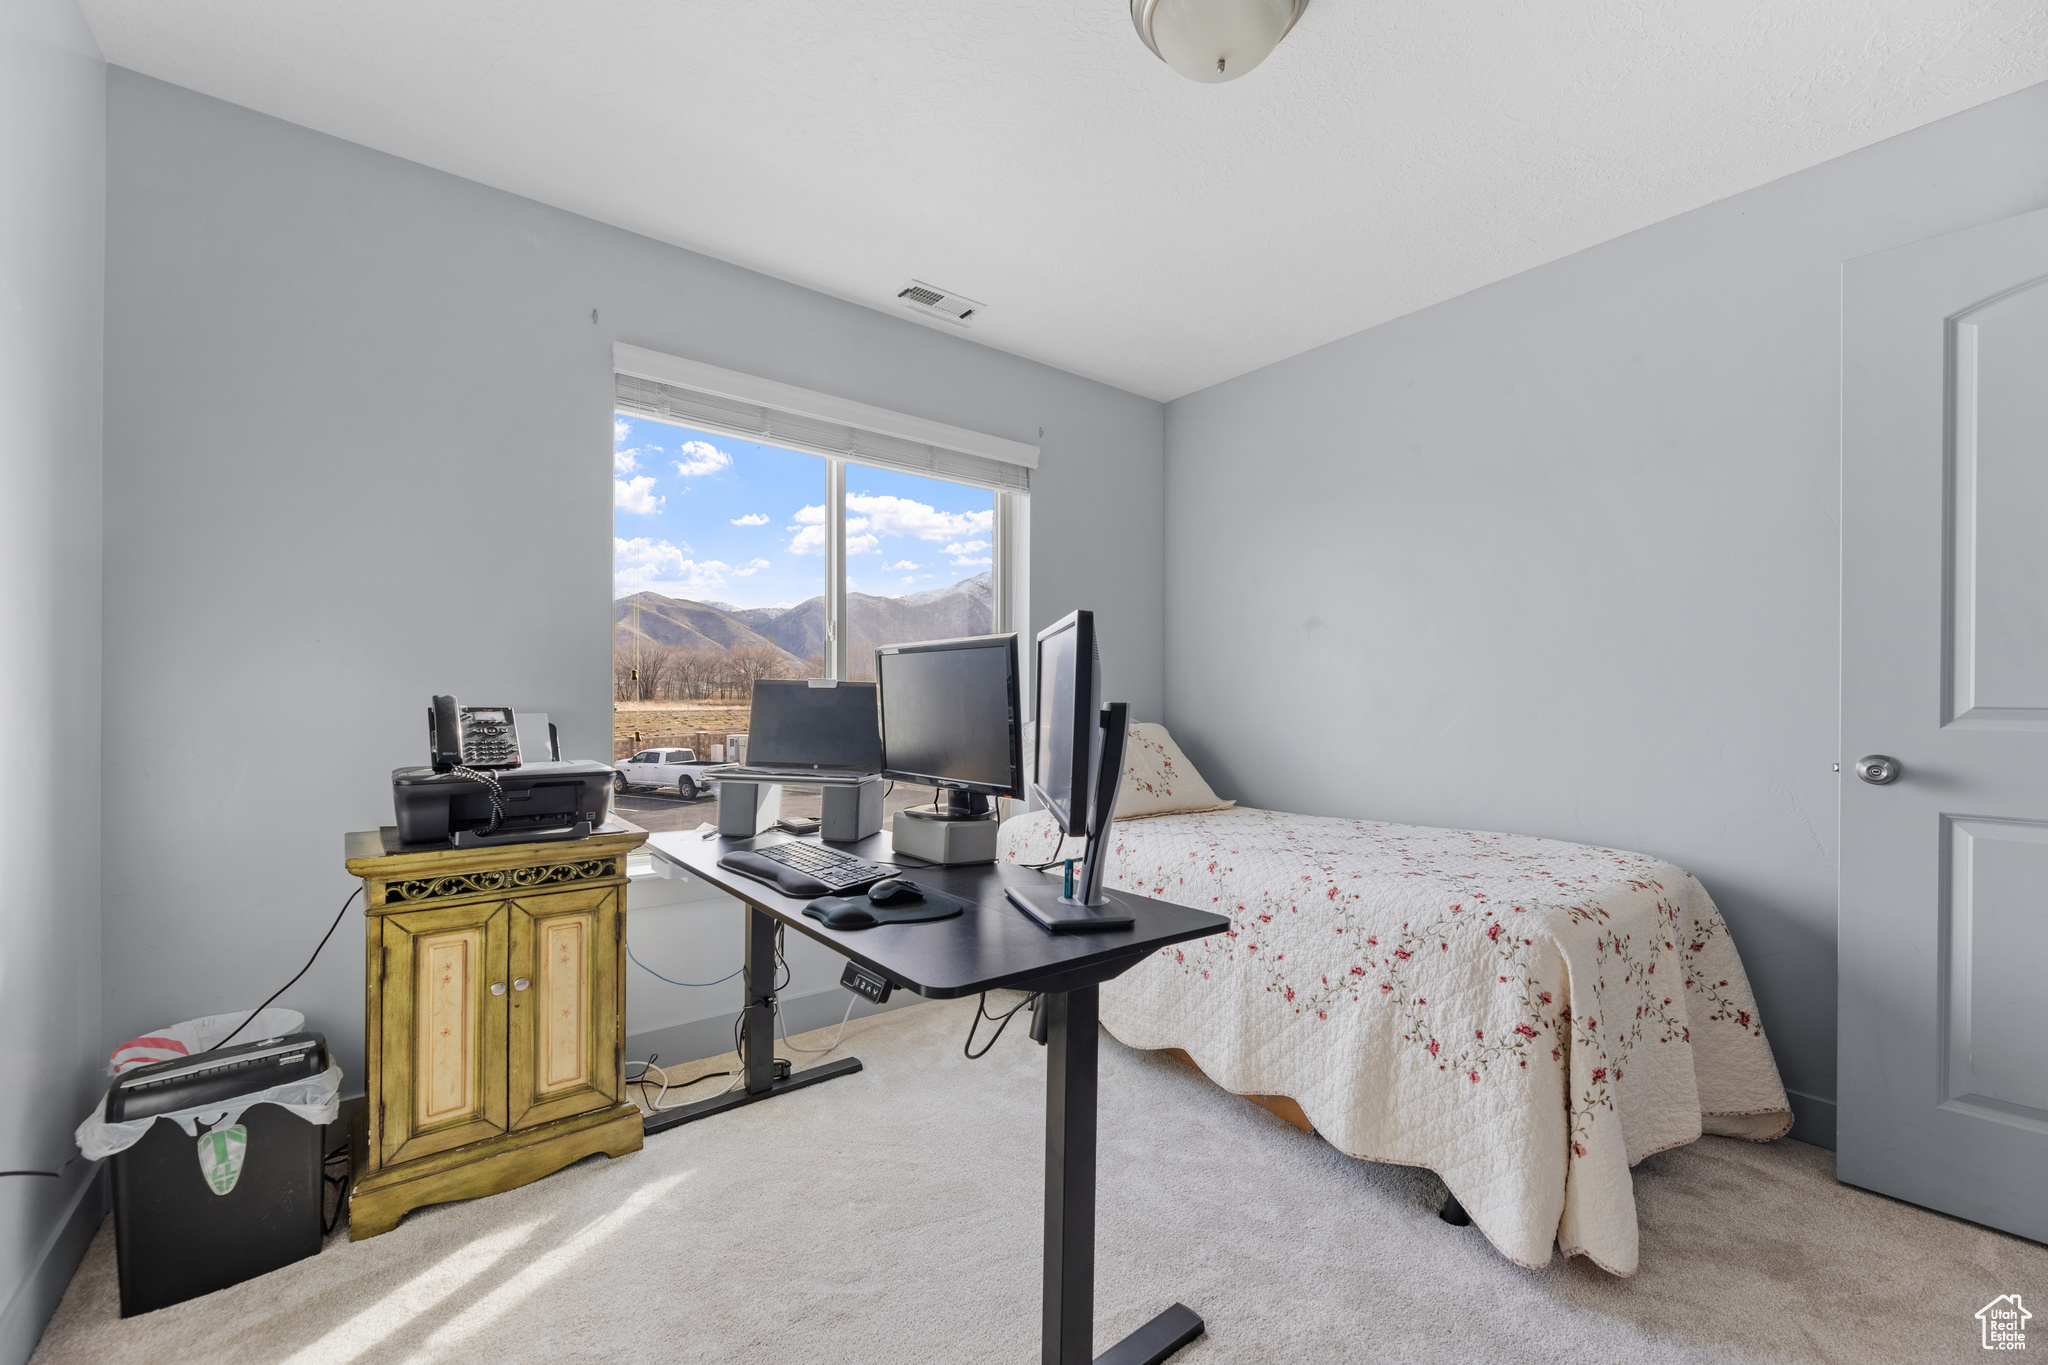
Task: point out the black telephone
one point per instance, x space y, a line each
476 791
470 736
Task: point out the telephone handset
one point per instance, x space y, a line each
470 736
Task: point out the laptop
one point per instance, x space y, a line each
811 727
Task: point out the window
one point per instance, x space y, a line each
702 527
727 568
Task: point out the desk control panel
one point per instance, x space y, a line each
870 986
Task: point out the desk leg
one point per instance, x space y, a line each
1069 1337
757 1024
1070 1093
757 1040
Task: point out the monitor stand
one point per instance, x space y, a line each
946 842
1089 908
951 803
1059 915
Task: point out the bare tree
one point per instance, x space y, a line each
748 664
667 673
625 679
696 671
637 669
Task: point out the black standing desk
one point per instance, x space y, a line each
990 947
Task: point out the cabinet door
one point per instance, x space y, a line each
566 1025
443 1080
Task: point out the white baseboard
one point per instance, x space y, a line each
35 1298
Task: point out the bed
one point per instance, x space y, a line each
1528 1018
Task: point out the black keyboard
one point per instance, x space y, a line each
807 870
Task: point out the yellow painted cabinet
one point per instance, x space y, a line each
494 1048
565 1031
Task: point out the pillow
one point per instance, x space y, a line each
1159 780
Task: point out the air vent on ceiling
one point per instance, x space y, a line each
920 297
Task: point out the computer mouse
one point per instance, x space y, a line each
849 915
889 890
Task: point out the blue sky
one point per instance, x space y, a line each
715 519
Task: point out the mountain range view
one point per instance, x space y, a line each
798 632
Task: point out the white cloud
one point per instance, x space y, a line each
810 533
625 461
622 431
750 519
908 579
965 563
876 517
635 495
701 458
752 568
893 516
643 550
902 564
645 565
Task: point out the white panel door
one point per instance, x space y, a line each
1944 880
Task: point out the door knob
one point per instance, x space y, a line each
521 984
497 988
1878 769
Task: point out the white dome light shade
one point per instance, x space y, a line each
1214 40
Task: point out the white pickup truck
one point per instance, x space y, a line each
678 768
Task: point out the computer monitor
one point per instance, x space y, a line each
1069 693
949 720
1080 753
816 723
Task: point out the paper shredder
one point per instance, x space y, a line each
195 1215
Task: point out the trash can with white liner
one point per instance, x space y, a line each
216 1157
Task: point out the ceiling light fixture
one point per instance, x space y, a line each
1214 40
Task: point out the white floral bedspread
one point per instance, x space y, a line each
1527 1018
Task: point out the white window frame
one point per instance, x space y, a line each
690 393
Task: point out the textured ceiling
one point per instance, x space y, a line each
1117 221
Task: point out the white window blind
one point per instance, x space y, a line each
689 393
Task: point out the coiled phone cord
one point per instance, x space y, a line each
496 792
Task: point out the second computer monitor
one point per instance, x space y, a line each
1069 693
949 717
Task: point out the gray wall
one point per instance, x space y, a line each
358 452
1559 556
52 235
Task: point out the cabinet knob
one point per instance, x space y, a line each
521 984
497 988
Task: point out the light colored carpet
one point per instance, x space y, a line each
894 1216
